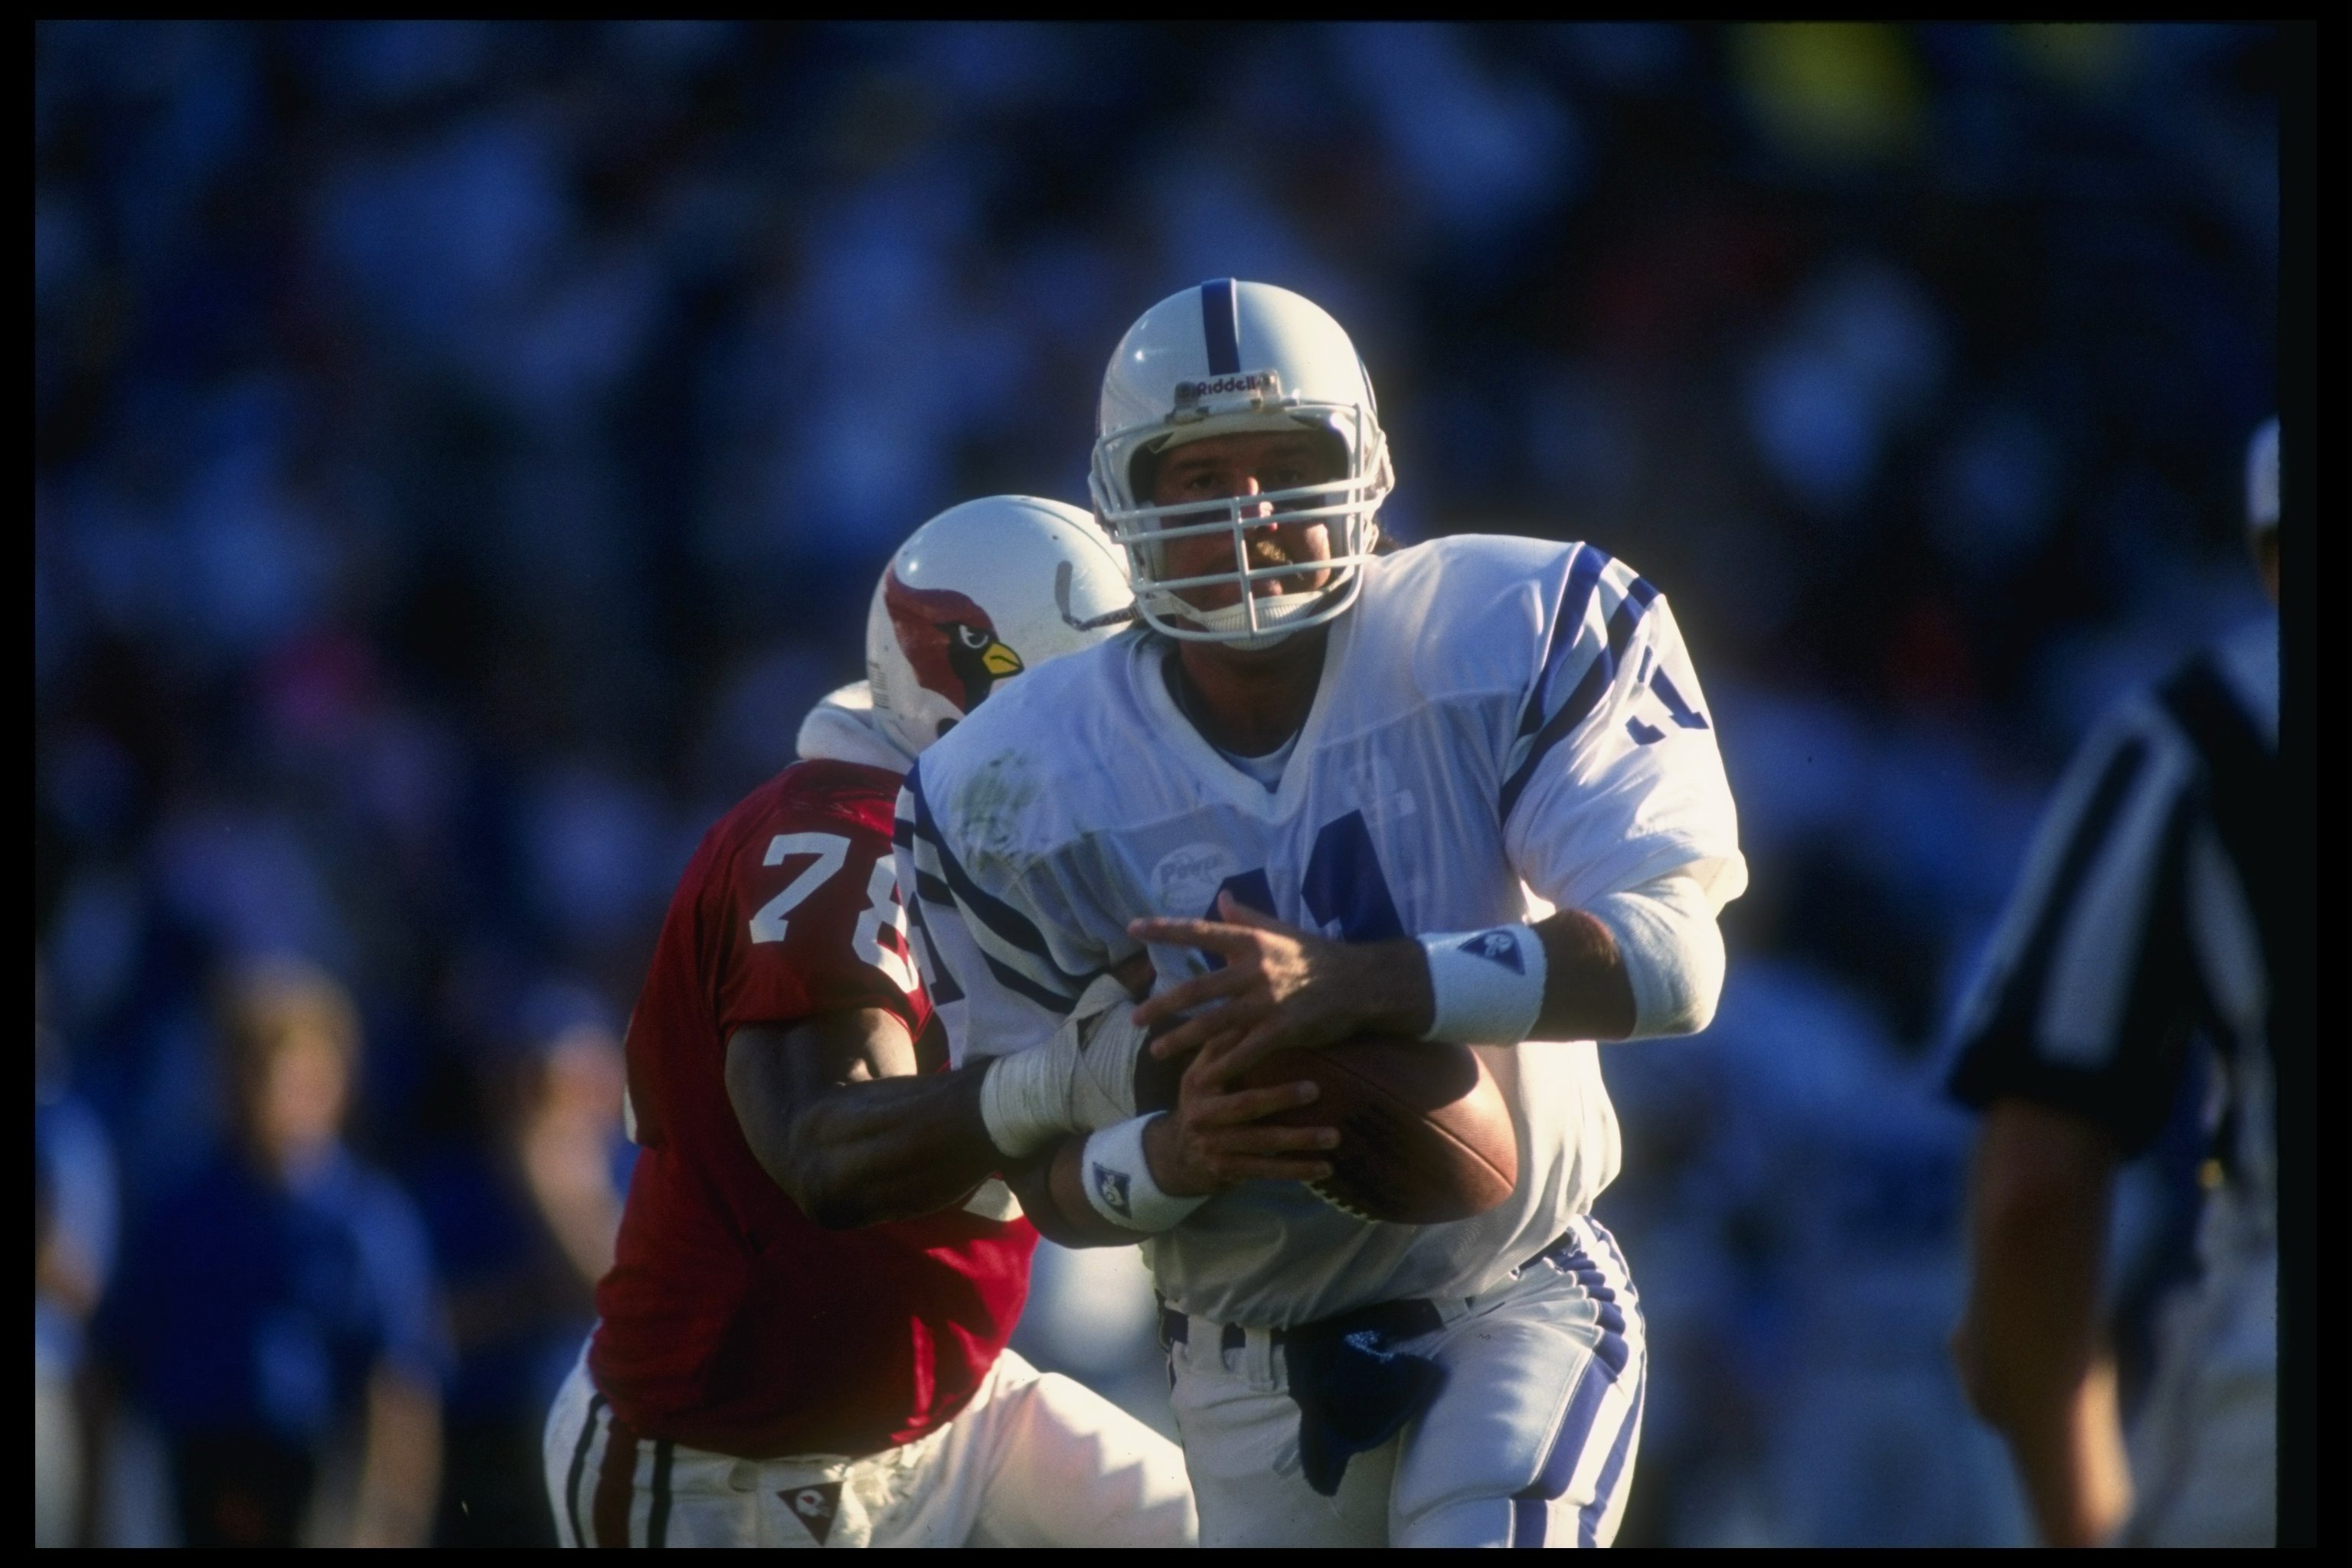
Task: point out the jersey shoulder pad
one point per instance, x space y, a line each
1476 609
847 791
842 797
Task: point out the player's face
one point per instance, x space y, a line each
1221 466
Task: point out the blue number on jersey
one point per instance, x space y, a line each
1343 886
1249 890
1680 711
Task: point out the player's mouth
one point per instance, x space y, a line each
1266 550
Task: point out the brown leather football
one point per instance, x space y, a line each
1424 1136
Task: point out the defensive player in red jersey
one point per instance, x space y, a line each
802 1339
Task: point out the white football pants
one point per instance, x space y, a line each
1531 1441
1033 1460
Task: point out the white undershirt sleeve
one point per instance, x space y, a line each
1672 950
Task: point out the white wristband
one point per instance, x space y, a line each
1118 1180
1488 984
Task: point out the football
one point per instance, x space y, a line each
1424 1136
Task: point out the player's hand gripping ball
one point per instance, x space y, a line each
1424 1136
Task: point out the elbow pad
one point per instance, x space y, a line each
1672 950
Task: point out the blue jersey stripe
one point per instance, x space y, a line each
1220 327
1013 980
1638 594
1005 922
1568 619
1588 693
944 988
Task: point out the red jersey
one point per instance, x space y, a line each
729 1321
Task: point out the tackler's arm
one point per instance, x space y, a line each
837 1113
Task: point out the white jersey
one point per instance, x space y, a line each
1503 726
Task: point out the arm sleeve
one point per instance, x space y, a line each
1672 950
2086 992
812 924
1611 776
996 948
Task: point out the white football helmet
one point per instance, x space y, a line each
1225 357
977 595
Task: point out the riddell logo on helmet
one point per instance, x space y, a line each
1264 384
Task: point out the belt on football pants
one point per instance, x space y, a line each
1353 1388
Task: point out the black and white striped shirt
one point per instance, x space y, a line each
2147 919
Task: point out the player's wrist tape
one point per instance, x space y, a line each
1489 985
1118 1180
1083 1078
1024 1101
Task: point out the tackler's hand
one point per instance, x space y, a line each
1280 987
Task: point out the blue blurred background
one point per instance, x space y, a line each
463 451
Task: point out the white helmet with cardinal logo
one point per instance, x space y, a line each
975 597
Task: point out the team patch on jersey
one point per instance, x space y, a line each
1186 881
1111 1187
815 1506
1495 947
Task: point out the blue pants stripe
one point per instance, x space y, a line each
1575 1433
1604 1488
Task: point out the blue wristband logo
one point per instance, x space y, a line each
1499 946
1110 1187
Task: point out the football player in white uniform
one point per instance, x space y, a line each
1468 790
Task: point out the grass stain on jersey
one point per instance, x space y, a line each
989 805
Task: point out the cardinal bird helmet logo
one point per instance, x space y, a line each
949 641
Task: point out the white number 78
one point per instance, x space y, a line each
883 909
830 849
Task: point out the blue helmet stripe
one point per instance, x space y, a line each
1221 326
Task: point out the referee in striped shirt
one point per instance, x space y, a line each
2144 928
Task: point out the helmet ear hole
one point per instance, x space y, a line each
1332 444
1143 472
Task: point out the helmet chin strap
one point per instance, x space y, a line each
1272 610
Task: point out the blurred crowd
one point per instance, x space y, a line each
463 451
